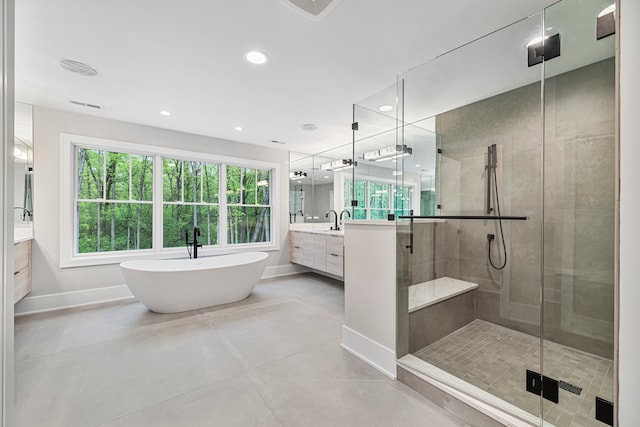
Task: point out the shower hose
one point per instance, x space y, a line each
504 246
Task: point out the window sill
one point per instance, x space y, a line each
92 260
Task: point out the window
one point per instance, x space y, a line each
403 200
248 205
127 199
113 204
190 199
377 199
360 211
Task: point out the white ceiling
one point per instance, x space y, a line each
187 57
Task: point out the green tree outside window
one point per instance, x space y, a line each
114 208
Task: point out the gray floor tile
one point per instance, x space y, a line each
350 403
97 383
272 359
227 403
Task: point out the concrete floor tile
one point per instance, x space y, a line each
273 359
230 403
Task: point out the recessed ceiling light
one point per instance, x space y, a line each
255 57
309 126
385 108
239 128
78 67
326 176
165 113
417 166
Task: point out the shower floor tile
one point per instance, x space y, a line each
495 359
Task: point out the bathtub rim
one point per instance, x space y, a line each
189 264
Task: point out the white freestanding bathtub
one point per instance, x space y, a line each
174 285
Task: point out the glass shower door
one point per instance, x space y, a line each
579 214
483 242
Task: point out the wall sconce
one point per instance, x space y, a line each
296 175
338 165
388 153
606 22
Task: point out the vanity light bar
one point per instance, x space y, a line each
371 155
338 165
388 153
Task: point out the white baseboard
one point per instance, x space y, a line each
373 353
44 303
51 302
283 270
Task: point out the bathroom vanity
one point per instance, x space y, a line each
321 250
22 263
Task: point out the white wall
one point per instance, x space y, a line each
48 278
629 336
7 385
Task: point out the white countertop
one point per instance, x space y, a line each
428 293
368 222
318 231
22 233
387 223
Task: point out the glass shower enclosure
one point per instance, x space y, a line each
506 246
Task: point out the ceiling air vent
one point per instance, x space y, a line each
314 9
85 104
78 67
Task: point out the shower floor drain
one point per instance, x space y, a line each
570 387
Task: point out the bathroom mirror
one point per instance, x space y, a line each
23 168
392 177
300 186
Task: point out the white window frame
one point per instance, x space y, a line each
68 257
379 180
163 203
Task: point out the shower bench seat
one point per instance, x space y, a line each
432 292
439 307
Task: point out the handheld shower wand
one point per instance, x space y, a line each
492 164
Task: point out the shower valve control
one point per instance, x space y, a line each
490 237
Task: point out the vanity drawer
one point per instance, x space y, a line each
319 252
335 264
301 248
335 245
21 284
22 255
319 243
296 253
304 240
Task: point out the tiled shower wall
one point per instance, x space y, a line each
578 206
